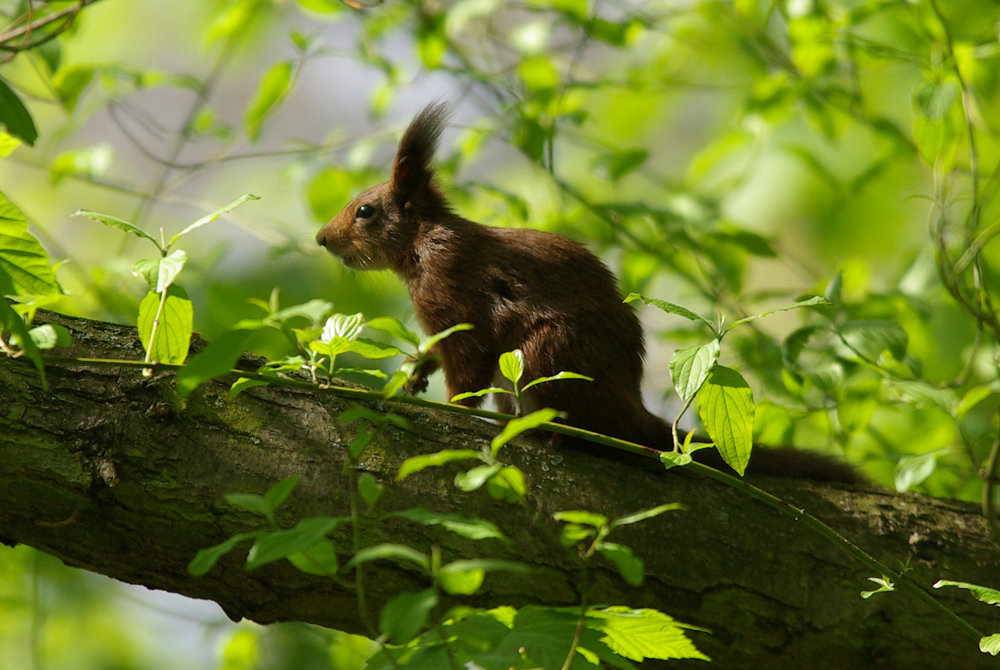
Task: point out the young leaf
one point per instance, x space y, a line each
369 489
456 582
319 559
643 633
118 223
15 116
727 409
673 459
418 463
405 615
50 336
670 308
274 86
884 585
871 337
313 311
645 514
242 384
372 350
394 327
522 424
474 529
17 331
343 326
990 644
278 493
160 273
251 502
473 479
174 325
206 558
630 567
512 365
581 517
425 345
397 552
209 218
276 545
913 469
24 265
507 485
217 359
972 398
480 393
690 367
982 593
815 300
557 377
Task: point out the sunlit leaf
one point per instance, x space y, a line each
727 409
173 325
24 265
645 514
512 365
418 463
522 424
690 367
108 220
208 218
630 567
474 529
273 87
815 300
669 308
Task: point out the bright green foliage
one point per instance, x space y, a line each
24 265
727 408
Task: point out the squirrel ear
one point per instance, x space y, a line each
412 170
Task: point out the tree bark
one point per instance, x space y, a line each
109 471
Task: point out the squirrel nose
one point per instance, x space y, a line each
321 237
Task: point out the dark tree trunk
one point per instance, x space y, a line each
110 472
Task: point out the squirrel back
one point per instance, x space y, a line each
542 293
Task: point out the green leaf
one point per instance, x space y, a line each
644 633
464 577
88 162
372 350
507 485
925 396
581 517
670 308
522 424
217 359
15 116
398 552
616 164
206 558
539 74
418 463
319 559
479 393
474 529
7 144
512 365
990 644
344 326
394 327
248 501
175 325
884 585
815 300
274 86
972 398
556 377
933 99
314 311
727 408
17 332
630 567
322 6
473 479
369 489
913 469
70 82
234 20
276 545
160 273
690 367
406 615
242 384
209 218
425 345
833 287
982 593
793 345
871 337
673 459
50 336
645 514
117 223
856 404
24 265
278 493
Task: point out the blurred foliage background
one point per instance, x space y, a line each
724 155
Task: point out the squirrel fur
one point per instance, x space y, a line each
542 293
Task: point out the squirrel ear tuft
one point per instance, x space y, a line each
412 170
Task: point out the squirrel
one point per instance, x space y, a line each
539 292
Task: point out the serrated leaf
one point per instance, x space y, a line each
522 424
630 567
398 552
474 529
15 116
206 558
815 300
512 365
114 222
394 327
279 544
727 409
645 514
406 615
644 633
174 325
418 463
217 359
273 87
208 218
556 377
24 265
670 308
690 367
425 345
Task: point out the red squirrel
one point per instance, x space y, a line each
542 293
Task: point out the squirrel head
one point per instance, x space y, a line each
378 229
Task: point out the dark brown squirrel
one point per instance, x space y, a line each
522 289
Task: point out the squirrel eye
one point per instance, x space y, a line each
365 212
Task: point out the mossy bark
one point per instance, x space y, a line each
109 471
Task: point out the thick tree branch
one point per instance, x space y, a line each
109 471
